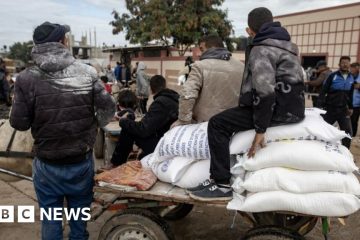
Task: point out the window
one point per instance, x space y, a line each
340 25
152 53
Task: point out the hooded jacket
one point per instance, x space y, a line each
273 82
162 113
142 81
212 86
63 102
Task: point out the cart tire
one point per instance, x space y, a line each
179 212
301 224
99 144
272 233
140 224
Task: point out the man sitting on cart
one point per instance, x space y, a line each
272 93
146 133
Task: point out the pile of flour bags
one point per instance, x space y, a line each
303 168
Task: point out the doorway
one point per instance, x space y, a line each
310 61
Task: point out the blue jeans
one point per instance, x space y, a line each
54 183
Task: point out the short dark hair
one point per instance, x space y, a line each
105 79
157 83
344 58
188 61
257 17
127 99
212 40
355 64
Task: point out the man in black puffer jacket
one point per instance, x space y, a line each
63 102
157 121
272 93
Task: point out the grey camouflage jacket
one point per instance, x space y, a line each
62 101
273 84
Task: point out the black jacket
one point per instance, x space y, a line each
157 121
4 88
63 102
273 80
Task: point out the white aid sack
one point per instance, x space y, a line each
148 161
327 204
316 112
313 127
302 155
295 181
189 141
172 170
197 173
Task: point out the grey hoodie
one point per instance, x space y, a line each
273 84
63 102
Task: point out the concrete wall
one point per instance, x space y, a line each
332 32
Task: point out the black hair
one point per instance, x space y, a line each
257 17
344 58
212 40
355 64
188 61
127 99
105 79
157 83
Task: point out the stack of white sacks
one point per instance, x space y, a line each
303 168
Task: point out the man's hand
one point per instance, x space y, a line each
349 112
259 141
179 123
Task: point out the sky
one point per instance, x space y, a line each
20 17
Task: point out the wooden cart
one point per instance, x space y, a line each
144 215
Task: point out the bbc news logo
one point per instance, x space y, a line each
26 214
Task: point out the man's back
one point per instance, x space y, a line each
216 85
58 98
276 75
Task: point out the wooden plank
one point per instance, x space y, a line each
160 192
2 121
105 198
23 142
112 128
6 132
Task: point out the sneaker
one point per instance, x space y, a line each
201 186
213 192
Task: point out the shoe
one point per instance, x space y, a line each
201 186
213 192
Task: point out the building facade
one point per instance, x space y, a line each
325 34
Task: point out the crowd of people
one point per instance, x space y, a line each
64 101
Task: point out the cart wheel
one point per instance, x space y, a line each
99 144
135 224
301 224
179 212
272 233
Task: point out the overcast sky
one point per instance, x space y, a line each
20 17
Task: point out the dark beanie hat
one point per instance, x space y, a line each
321 63
49 32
